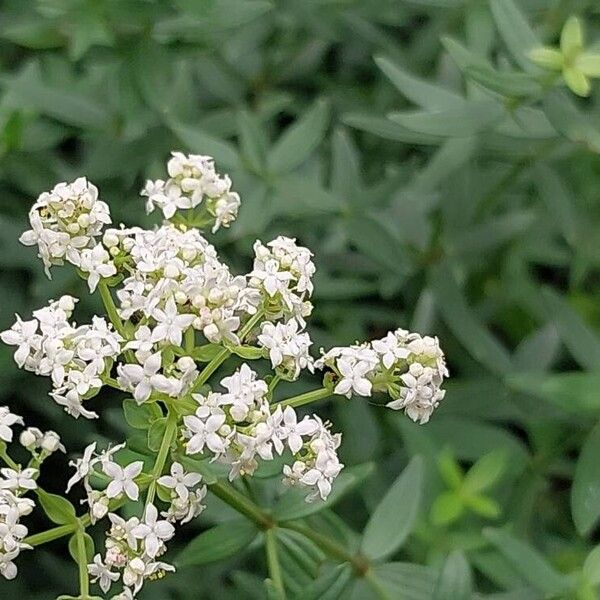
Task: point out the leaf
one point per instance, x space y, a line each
220 542
156 432
591 566
485 472
206 352
528 562
141 416
516 32
426 95
573 392
299 140
345 167
508 83
464 323
471 117
447 508
252 140
582 342
292 505
331 585
455 581
538 351
388 129
585 493
571 122
58 509
199 141
248 352
405 580
393 519
89 547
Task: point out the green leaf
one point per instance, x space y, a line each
484 506
58 509
141 416
538 351
89 547
462 320
248 352
455 581
252 140
471 117
516 32
581 340
156 433
220 542
331 585
585 493
405 580
528 562
591 566
299 140
570 121
447 508
508 83
426 95
292 505
199 141
206 352
485 472
394 518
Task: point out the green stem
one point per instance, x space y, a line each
163 451
37 539
241 503
8 460
376 585
224 354
306 398
84 583
111 309
273 384
273 562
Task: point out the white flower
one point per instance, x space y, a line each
22 335
102 574
97 263
143 379
203 429
11 531
180 481
82 465
18 480
153 532
353 377
170 324
7 420
293 431
8 569
122 479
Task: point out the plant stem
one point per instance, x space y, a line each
111 309
37 539
163 451
8 460
273 562
241 503
84 583
220 358
306 398
190 340
376 585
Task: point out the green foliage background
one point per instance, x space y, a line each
470 212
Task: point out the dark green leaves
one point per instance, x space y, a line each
394 517
141 416
58 509
585 494
218 543
455 580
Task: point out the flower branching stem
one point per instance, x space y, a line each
163 452
306 398
84 582
273 562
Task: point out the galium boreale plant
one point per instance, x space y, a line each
174 316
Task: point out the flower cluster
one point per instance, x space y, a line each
174 306
15 482
406 366
239 426
132 549
74 357
65 223
193 181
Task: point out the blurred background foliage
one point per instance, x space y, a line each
444 182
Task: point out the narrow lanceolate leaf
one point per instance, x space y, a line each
220 542
585 493
455 581
465 324
388 129
516 32
331 585
582 342
58 509
300 139
471 117
420 92
199 141
528 562
574 392
395 515
405 580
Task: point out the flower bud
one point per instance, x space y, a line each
51 441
